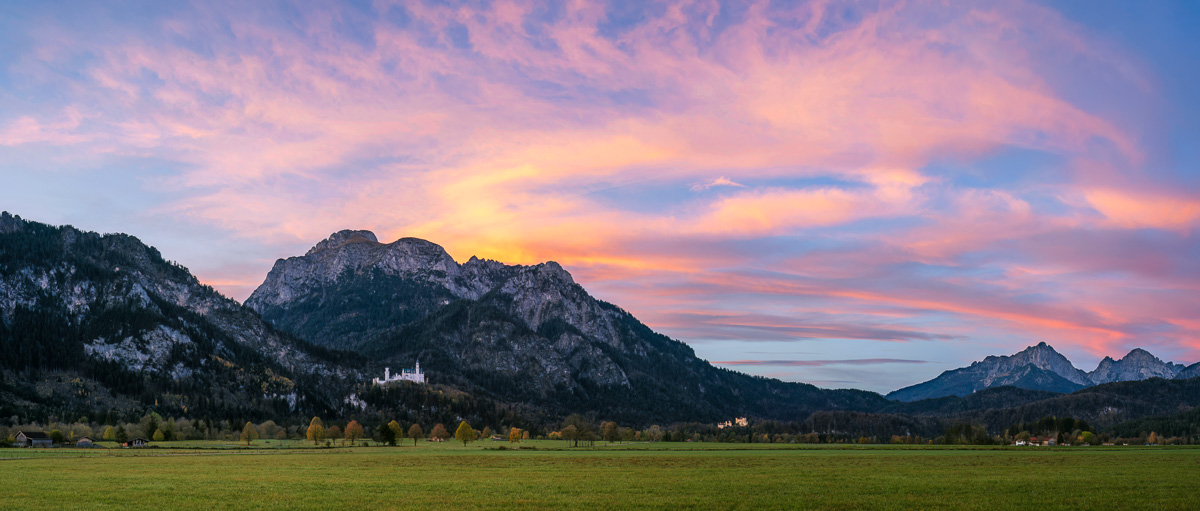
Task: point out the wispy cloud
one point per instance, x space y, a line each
888 150
717 181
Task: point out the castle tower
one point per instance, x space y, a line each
387 371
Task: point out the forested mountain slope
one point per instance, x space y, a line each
526 334
90 323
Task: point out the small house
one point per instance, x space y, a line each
32 439
136 442
84 442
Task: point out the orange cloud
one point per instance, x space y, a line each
568 144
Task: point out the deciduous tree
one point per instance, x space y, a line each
464 433
249 433
584 428
610 431
110 434
397 431
267 429
333 432
416 433
354 431
514 435
571 435
316 430
158 435
439 432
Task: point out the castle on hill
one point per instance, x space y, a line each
414 375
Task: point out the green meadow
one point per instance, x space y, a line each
209 475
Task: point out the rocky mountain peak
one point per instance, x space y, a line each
1042 356
555 271
10 223
341 238
1139 354
1138 364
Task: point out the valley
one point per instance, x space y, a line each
105 327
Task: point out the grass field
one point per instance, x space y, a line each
657 476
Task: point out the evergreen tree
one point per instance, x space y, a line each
385 434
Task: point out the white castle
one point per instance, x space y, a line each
413 375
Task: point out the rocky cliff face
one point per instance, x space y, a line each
1139 364
319 296
1192 371
526 334
1041 356
347 255
111 309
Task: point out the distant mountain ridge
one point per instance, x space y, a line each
1040 367
1139 364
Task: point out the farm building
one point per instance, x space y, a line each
32 439
84 442
136 442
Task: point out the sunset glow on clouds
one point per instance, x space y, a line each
902 187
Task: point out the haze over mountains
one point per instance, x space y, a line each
1040 367
93 324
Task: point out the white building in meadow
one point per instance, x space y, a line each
414 375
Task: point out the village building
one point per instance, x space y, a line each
32 439
136 442
414 375
84 442
740 422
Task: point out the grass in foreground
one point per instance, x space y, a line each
452 477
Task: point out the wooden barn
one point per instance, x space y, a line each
33 439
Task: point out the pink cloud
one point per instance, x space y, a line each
717 181
287 135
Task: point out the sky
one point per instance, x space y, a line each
850 194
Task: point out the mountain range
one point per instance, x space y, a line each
1040 367
521 334
96 324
